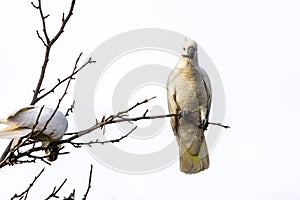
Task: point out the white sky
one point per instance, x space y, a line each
254 45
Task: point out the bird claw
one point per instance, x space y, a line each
204 124
184 114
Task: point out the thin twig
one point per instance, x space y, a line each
25 193
219 124
79 144
136 105
55 191
89 185
70 109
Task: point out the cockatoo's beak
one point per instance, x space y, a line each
189 51
188 56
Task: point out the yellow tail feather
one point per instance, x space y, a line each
192 164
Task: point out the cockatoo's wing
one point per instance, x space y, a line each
173 106
208 89
25 117
14 116
13 129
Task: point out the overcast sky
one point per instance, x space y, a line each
254 45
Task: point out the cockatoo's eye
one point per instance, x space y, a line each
191 50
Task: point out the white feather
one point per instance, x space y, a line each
11 134
21 123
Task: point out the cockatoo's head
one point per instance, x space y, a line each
189 49
52 152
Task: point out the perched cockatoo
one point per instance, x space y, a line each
189 94
21 123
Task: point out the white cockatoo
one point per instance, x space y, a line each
21 123
189 94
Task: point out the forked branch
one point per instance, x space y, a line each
48 43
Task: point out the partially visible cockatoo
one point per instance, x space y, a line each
189 94
21 123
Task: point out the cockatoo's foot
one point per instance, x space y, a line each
184 114
204 124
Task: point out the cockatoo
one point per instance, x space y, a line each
21 123
189 95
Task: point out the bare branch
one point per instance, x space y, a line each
89 185
43 21
55 191
136 105
48 44
219 124
40 37
47 52
63 17
64 22
70 109
90 61
80 144
36 7
25 193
